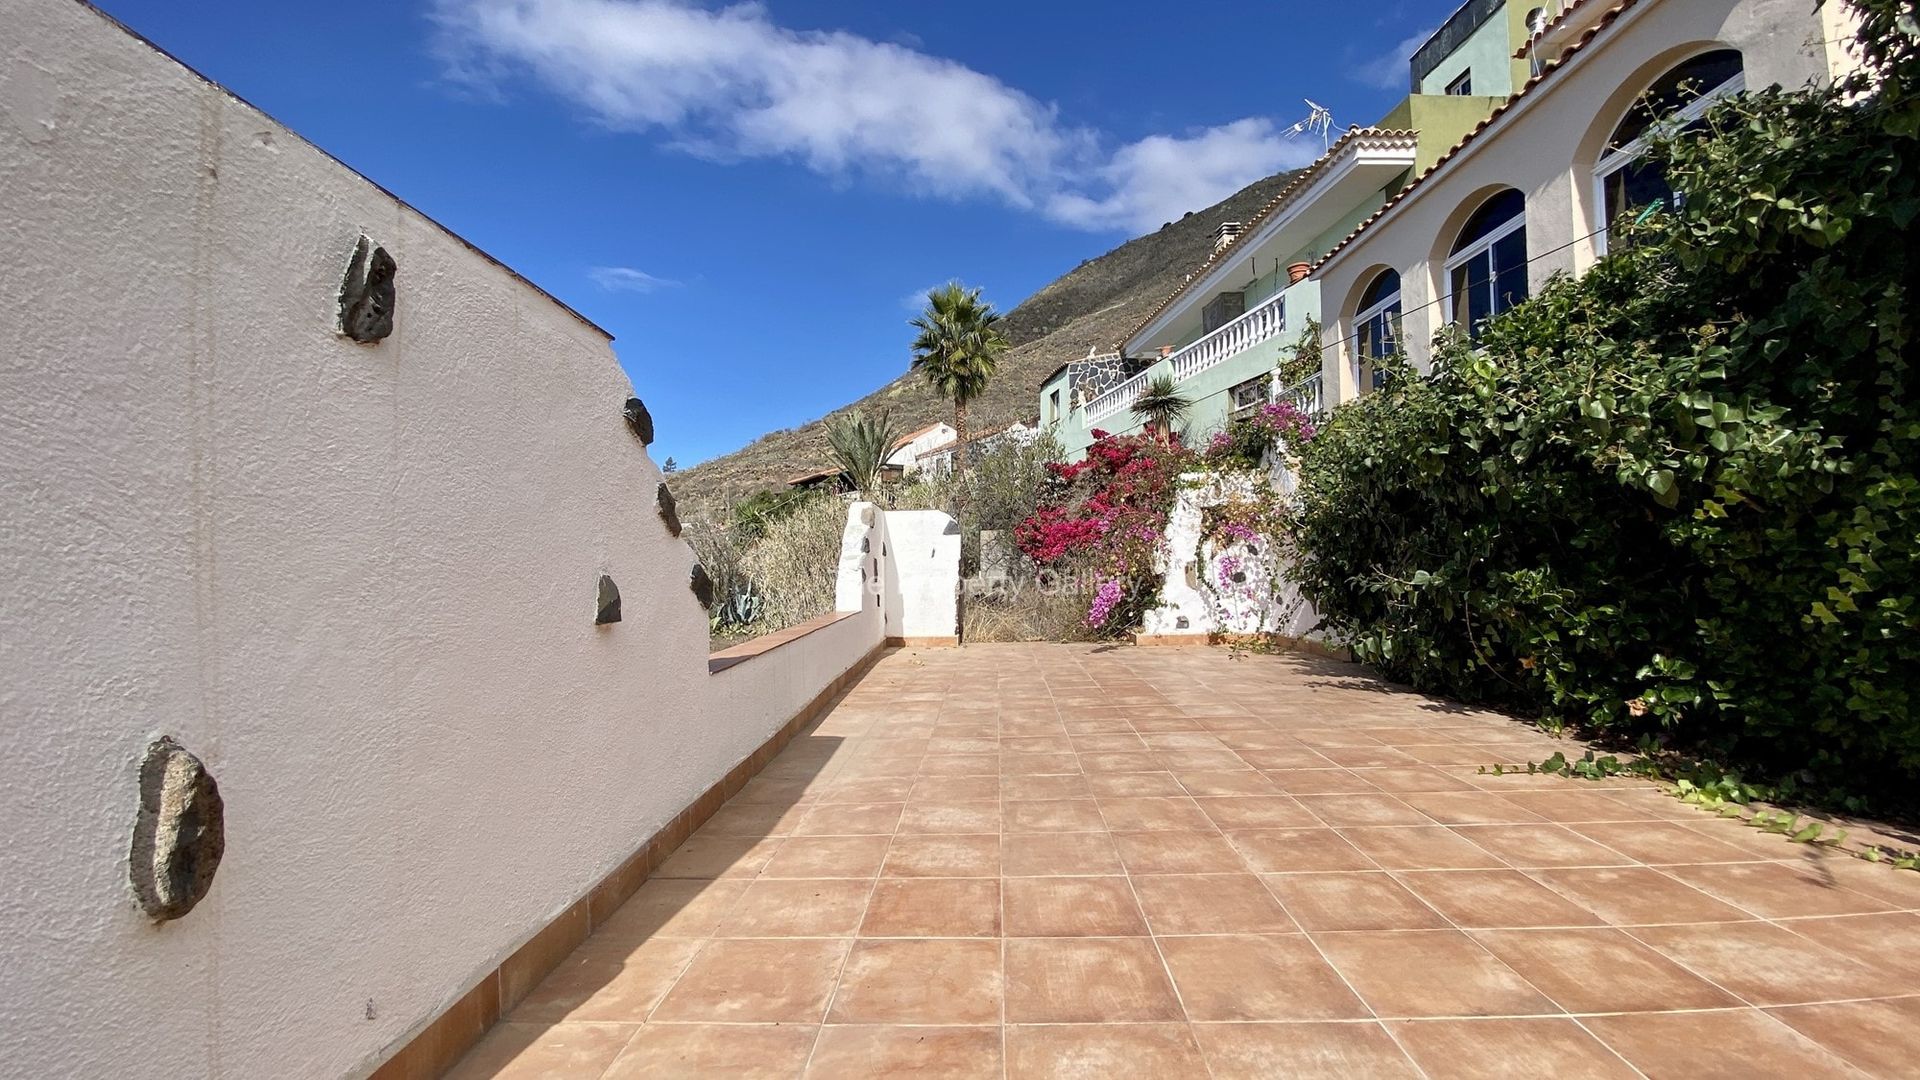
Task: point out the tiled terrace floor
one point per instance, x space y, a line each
1077 862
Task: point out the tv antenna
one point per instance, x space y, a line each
1320 119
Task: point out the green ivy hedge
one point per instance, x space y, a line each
1680 493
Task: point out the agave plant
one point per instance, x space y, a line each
859 443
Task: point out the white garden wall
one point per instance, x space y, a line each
358 581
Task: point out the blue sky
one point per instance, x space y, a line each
747 196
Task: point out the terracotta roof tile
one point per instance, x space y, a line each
1546 71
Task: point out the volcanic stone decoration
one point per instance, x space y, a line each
608 610
180 833
669 512
366 295
702 586
639 419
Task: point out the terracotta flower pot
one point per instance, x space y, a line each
1297 272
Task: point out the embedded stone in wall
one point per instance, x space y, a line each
702 586
180 832
366 294
639 419
669 510
608 605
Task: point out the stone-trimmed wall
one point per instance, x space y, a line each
359 580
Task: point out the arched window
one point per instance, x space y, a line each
1487 269
1378 333
1625 185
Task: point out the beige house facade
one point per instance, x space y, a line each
1525 195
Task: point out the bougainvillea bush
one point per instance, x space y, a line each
1679 496
1246 442
1103 519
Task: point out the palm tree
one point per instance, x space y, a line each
957 349
860 443
1162 405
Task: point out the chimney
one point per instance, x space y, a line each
1225 234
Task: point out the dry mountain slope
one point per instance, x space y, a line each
1093 305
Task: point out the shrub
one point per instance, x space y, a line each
1680 494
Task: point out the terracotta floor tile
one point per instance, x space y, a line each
1116 742
1103 1052
1037 764
1637 895
1037 744
1055 815
1154 815
1900 888
1414 778
1533 846
1570 807
951 817
1881 1037
1293 850
1661 842
1071 907
1042 788
604 983
513 1051
959 765
760 981
667 908
1470 808
1356 757
943 856
1601 970
1715 1046
1257 977
700 1051
1133 785
925 981
1302 1051
1232 782
1359 900
1178 853
1416 847
710 856
1779 890
757 822
827 857
1767 965
1495 898
1193 760
933 907
1210 904
1430 973
1341 811
883 789
1120 761
1516 1049
1890 942
1058 854
814 907
850 819
955 789
925 1053
1257 812
1086 981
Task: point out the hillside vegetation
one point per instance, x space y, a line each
1092 305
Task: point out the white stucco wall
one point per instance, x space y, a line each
921 571
1196 598
1546 145
358 581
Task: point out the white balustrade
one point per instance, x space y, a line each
1116 399
1305 395
1267 320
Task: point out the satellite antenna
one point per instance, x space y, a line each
1320 119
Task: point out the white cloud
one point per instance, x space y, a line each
628 279
729 84
1389 70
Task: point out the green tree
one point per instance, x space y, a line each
859 443
669 466
958 349
1162 405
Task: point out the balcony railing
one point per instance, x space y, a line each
1267 320
1304 395
1116 399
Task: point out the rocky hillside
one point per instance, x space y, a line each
1093 305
